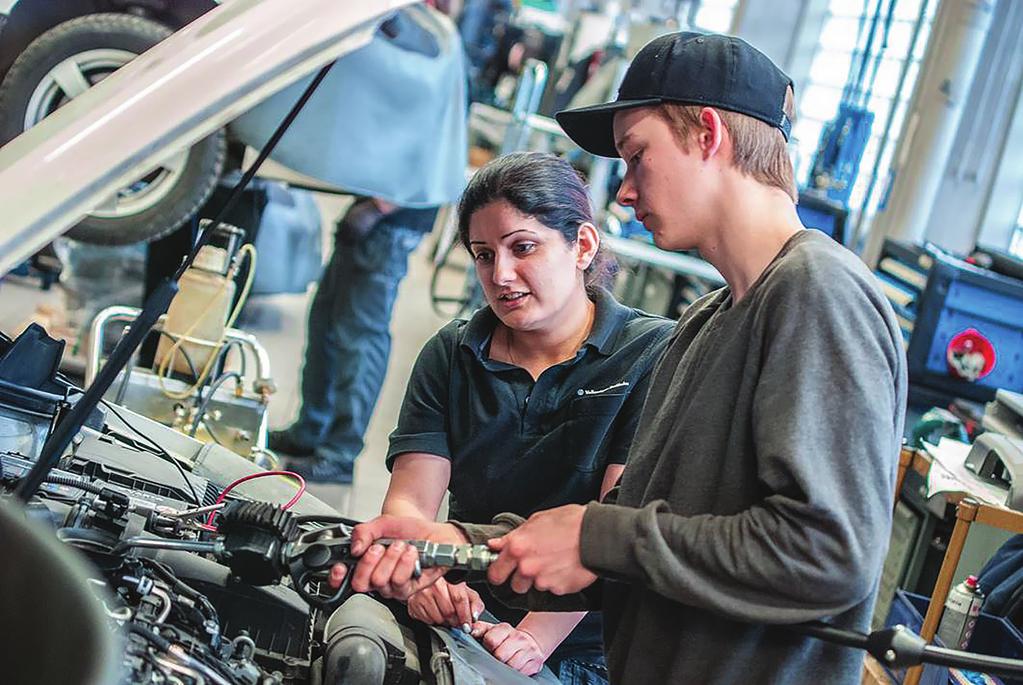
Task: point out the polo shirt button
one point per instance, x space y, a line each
579 392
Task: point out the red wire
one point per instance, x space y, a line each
252 476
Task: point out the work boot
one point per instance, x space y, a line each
283 443
320 470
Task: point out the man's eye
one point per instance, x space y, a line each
634 160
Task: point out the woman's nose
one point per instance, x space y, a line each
504 271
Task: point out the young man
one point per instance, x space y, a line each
759 488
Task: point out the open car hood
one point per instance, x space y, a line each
182 90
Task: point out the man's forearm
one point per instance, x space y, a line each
758 565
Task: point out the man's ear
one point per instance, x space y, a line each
587 242
711 133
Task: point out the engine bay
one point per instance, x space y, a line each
194 581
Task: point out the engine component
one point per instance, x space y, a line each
262 543
362 644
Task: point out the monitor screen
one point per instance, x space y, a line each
827 216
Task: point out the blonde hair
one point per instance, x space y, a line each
759 149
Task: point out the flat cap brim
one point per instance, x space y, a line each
592 128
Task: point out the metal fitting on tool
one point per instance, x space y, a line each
460 557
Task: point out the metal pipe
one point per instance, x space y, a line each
532 82
216 547
128 314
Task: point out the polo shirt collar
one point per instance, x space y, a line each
608 319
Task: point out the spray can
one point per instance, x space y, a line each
962 610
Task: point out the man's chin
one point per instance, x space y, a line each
671 242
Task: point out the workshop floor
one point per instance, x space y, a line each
278 321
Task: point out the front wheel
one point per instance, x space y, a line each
63 63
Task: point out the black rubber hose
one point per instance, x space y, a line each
74 482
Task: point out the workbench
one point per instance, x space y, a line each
968 512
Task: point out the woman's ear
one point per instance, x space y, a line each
587 242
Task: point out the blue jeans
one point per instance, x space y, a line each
349 338
589 670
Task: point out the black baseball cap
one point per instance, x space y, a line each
687 68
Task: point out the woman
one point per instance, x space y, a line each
531 403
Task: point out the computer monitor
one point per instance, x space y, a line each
817 211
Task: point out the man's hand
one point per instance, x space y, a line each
543 553
445 604
389 571
508 644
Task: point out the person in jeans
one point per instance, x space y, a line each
348 340
758 491
531 403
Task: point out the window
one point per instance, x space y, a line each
837 47
713 16
1016 245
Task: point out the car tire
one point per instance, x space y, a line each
94 45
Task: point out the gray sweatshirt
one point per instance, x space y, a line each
759 486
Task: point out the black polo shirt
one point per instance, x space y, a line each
521 446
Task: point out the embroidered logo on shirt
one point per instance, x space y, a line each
580 392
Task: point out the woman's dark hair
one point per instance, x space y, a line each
542 186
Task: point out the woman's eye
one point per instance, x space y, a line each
524 248
483 257
634 160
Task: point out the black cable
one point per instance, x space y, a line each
222 356
74 482
160 451
184 353
204 402
167 576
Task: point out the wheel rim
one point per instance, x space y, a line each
69 79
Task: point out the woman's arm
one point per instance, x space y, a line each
417 487
612 474
547 629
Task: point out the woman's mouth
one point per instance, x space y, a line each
512 300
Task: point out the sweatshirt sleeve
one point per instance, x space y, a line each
827 422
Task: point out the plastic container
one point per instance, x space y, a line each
199 311
993 635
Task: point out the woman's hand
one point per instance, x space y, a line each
390 571
445 604
516 648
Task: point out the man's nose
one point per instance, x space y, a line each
626 195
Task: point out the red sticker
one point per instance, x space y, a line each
970 355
